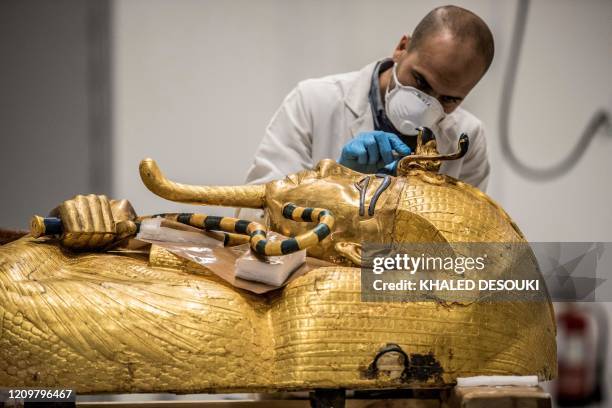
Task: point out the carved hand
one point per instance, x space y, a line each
93 221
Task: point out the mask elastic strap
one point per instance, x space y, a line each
394 75
395 80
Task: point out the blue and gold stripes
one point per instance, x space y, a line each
323 217
257 233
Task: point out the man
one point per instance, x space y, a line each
368 119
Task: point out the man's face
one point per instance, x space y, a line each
441 66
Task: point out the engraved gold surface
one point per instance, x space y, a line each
103 323
117 323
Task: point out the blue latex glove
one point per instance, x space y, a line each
372 151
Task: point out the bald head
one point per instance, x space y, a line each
459 23
447 55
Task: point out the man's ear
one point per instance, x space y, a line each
401 48
351 251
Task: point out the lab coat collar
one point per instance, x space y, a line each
357 100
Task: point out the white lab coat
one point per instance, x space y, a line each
319 116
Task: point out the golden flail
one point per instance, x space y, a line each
102 322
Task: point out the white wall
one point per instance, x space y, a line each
197 81
564 75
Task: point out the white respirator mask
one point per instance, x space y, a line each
408 108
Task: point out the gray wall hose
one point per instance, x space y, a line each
599 118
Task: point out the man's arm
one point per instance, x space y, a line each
476 167
287 144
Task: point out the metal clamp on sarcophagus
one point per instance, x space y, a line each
106 321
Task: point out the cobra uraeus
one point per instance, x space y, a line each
257 233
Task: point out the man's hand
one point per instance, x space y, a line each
93 221
371 151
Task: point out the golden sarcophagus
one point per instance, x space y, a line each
112 322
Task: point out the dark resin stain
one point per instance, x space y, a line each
424 367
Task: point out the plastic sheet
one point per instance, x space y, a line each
195 245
